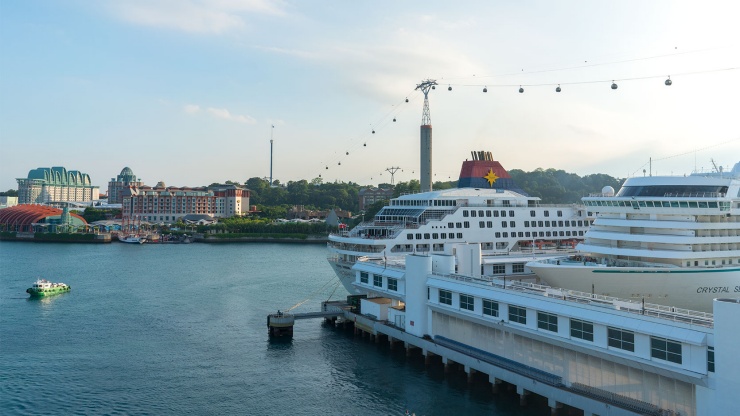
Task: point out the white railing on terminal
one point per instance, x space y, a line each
626 305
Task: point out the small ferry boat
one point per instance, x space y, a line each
43 287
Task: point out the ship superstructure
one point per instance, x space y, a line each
668 240
487 208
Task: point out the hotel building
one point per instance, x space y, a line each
56 184
167 205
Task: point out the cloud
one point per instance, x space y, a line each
191 108
195 16
225 114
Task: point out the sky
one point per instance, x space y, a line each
191 92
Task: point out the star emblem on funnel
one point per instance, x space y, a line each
490 177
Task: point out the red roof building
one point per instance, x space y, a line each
24 218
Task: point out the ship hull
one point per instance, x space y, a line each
687 289
48 292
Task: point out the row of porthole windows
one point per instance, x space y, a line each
498 234
486 213
556 223
434 236
660 348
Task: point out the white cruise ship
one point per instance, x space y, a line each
668 240
487 208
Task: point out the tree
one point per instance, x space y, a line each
9 192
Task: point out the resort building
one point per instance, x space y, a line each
369 196
56 184
123 181
8 201
167 205
39 218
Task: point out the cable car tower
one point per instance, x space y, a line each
392 170
425 179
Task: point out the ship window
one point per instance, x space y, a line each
560 223
495 213
480 213
562 234
580 223
488 213
710 354
377 280
458 225
581 330
517 314
665 349
435 236
393 284
443 236
547 213
547 233
499 268
481 224
472 213
540 223
506 234
489 224
567 233
498 235
517 268
567 223
363 277
580 233
503 224
527 234
490 308
624 340
512 224
526 224
409 236
426 236
560 213
503 213
465 213
712 204
466 302
418 236
450 225
547 321
521 234
445 297
459 235
547 223
531 213
466 224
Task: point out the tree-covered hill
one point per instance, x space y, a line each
551 185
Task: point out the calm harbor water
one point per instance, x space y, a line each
180 329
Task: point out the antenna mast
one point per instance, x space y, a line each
272 129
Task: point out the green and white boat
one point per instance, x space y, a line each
43 288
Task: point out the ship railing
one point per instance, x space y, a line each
670 313
588 261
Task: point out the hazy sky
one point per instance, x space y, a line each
186 91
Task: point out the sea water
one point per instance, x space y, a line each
164 329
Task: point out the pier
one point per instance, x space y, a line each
515 377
